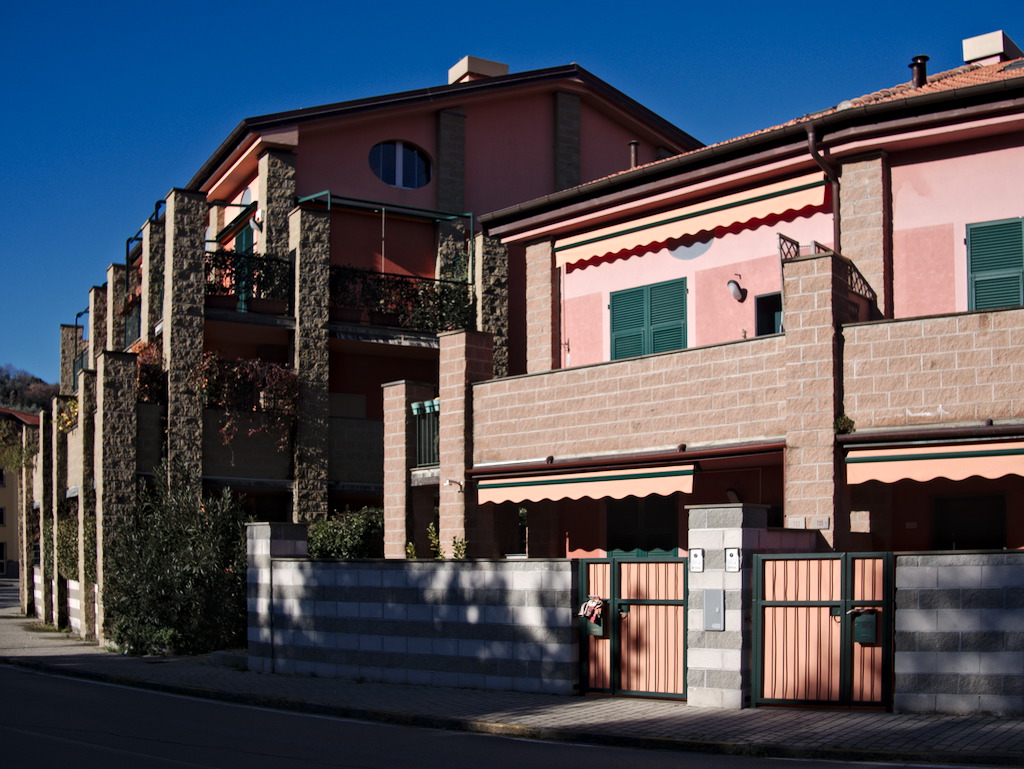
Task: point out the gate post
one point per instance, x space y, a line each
720 646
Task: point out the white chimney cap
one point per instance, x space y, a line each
472 68
990 48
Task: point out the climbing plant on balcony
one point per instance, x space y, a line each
149 364
245 387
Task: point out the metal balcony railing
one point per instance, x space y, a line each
248 276
403 301
427 416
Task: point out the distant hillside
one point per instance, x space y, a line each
21 391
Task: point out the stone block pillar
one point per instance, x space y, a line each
812 286
491 274
399 457
116 432
98 341
184 322
86 511
566 140
116 295
276 196
70 345
27 520
542 300
718 658
154 247
58 500
466 357
310 235
865 210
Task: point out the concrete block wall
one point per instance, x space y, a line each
726 393
501 625
945 368
960 633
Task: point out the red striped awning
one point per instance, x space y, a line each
927 462
613 483
766 205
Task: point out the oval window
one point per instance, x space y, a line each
400 164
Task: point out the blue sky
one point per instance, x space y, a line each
108 105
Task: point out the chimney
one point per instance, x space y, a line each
472 68
919 71
990 48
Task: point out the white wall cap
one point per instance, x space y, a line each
472 68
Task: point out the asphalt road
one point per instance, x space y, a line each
54 721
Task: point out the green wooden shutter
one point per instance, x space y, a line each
995 254
244 240
629 320
668 316
648 319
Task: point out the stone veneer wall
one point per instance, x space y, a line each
943 368
502 625
725 393
960 633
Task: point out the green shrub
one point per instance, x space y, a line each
351 534
177 570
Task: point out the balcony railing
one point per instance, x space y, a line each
427 416
248 277
402 301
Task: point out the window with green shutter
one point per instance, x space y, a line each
995 257
648 319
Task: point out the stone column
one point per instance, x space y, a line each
542 328
718 656
399 458
116 295
70 345
87 502
98 341
450 175
491 273
813 374
184 322
566 140
865 210
310 241
154 246
26 513
116 433
276 196
58 491
466 357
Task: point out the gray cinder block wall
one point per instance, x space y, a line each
503 625
960 633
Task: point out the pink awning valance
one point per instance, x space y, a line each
927 462
615 483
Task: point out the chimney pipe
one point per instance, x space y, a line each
919 71
634 147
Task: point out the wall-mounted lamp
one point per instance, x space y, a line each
452 482
738 293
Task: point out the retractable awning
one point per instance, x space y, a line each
613 483
927 462
769 204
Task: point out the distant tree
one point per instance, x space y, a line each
21 391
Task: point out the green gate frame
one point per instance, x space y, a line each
615 604
845 604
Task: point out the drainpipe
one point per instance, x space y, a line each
833 177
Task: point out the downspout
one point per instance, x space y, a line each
833 177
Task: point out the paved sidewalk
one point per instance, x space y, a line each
784 732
